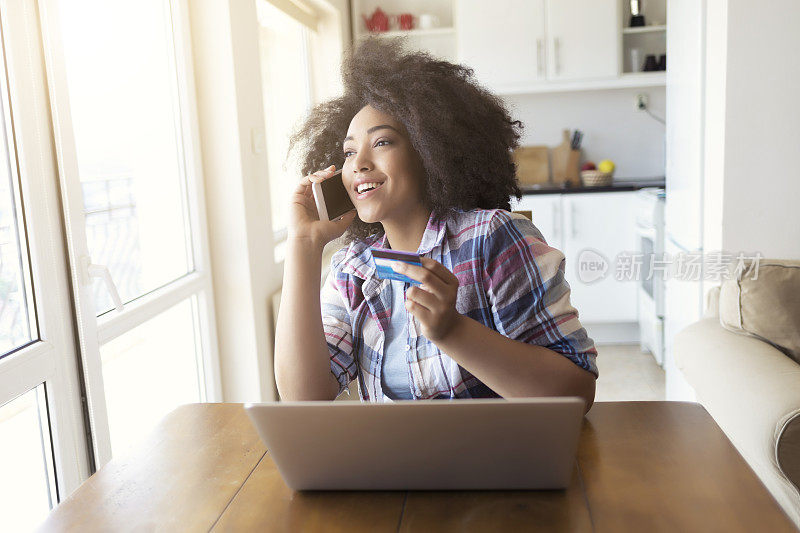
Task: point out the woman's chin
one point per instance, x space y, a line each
368 217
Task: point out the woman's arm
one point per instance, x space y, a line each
509 367
539 347
302 359
515 369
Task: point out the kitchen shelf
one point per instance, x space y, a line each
411 33
643 79
644 29
624 81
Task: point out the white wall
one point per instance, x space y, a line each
225 47
230 110
754 173
714 162
612 128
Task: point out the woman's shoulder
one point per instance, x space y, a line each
487 221
496 228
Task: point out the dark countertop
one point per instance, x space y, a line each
616 186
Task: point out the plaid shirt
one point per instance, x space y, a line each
510 280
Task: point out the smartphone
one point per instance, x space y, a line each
331 197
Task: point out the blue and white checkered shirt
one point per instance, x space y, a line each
510 280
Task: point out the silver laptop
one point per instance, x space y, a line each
519 443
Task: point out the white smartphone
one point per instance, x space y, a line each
331 197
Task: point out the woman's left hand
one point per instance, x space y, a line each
434 302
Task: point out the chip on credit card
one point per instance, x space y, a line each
385 259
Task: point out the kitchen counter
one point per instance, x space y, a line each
616 186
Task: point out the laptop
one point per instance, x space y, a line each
469 444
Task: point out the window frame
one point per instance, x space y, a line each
94 330
51 358
280 234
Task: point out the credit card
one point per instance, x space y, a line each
384 260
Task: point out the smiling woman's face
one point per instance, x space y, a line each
377 149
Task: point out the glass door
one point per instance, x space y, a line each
43 451
123 105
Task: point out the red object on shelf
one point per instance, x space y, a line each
378 21
406 21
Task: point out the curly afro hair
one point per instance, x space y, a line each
462 132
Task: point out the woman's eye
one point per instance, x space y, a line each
348 152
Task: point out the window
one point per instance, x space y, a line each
159 355
43 453
286 82
27 489
17 313
134 210
125 121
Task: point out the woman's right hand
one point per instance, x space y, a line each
304 222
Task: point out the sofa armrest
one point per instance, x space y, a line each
753 392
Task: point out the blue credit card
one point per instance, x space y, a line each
384 259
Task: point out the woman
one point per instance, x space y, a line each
492 316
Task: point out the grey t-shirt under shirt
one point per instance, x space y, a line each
394 367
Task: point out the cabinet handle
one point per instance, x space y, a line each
539 61
573 226
557 50
556 225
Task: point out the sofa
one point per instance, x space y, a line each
743 360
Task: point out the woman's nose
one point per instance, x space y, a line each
361 162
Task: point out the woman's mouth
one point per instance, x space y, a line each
366 194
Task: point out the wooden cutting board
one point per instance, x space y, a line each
533 165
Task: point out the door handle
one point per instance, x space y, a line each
539 59
573 226
91 271
556 225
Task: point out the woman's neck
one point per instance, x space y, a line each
406 235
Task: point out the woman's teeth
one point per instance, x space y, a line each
365 186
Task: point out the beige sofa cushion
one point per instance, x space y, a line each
768 307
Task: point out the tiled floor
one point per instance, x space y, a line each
627 374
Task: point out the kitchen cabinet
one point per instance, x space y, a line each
583 39
503 41
603 224
529 46
593 229
640 41
513 43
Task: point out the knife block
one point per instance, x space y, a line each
566 163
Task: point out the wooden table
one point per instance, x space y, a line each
641 466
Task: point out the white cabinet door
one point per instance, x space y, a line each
598 227
583 39
546 215
503 41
